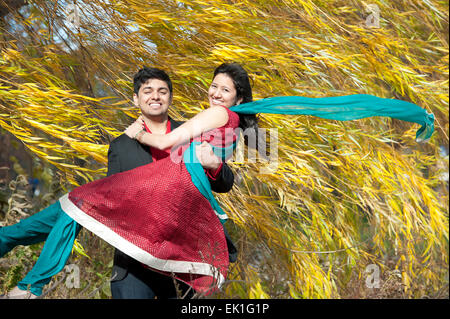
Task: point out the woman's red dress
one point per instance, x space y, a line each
155 214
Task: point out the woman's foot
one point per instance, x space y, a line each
17 293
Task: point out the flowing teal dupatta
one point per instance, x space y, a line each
341 108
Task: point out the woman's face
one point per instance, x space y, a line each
222 92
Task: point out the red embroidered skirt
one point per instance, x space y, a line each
155 214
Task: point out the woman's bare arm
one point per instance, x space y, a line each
204 121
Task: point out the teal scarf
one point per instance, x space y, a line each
341 108
344 108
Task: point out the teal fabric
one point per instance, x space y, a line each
58 231
200 179
224 152
341 108
344 108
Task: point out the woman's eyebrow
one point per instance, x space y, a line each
224 86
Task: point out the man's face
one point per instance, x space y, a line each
153 98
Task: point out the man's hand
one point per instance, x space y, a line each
206 156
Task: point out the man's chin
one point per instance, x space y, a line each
155 114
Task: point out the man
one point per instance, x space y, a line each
153 95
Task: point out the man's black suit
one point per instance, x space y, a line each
125 154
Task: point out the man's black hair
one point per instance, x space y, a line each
146 73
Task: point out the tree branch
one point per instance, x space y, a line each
7 6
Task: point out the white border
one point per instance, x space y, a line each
132 250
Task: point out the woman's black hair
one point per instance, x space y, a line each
244 90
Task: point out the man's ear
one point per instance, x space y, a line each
135 99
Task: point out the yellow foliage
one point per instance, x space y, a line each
341 196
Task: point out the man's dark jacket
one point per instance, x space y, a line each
125 154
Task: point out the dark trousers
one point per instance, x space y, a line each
142 283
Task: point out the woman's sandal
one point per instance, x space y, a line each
17 293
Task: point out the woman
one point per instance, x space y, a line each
184 237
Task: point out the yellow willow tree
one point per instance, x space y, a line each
340 196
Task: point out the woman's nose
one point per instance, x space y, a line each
216 93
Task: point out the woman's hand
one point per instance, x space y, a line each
134 129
